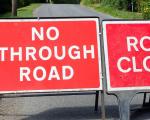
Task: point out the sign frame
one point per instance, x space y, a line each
96 19
108 84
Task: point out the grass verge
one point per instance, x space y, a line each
26 11
115 12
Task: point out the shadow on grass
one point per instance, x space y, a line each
22 9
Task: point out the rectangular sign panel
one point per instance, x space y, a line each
127 51
42 55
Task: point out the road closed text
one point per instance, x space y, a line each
137 45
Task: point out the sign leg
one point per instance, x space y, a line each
103 105
144 100
96 100
146 104
124 100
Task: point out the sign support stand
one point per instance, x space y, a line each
103 105
145 103
96 100
124 100
103 78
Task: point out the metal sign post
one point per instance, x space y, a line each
124 100
103 105
96 100
146 100
132 6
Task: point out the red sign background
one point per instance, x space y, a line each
17 33
116 47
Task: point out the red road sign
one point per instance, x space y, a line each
49 55
127 51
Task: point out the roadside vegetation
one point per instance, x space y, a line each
6 5
128 9
26 11
24 8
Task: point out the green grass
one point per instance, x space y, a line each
5 15
115 12
22 12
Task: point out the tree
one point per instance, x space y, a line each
14 7
66 1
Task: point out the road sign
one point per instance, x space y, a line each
127 51
42 55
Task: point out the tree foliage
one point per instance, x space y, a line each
5 5
142 6
119 4
66 1
130 5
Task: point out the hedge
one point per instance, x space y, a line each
5 5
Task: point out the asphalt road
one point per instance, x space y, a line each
67 10
78 107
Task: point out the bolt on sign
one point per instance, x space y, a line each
42 55
127 51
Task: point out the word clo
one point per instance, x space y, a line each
133 44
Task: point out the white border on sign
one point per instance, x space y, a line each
109 88
57 20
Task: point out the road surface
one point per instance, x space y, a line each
67 10
79 107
